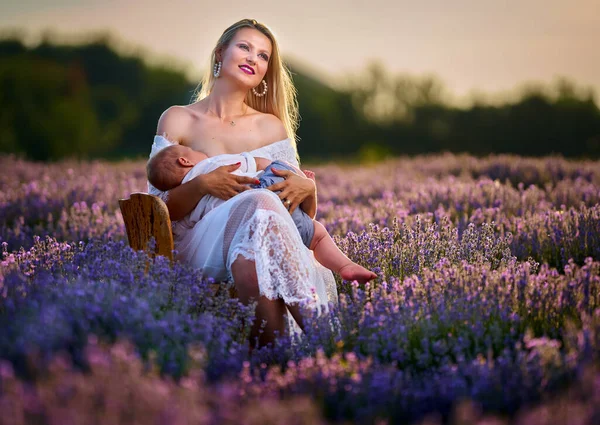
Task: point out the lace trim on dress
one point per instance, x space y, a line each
283 267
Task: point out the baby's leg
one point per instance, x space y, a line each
329 255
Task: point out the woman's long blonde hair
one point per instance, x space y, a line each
280 99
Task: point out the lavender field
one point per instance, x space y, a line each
486 309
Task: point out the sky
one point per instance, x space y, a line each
483 46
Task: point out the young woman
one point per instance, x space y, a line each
248 104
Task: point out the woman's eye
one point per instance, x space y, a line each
262 55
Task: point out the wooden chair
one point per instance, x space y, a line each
146 216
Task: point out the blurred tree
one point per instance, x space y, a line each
329 123
83 100
44 115
410 116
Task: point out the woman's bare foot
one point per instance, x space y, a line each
353 271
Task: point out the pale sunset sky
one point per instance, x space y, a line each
488 46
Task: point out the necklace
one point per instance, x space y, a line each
232 122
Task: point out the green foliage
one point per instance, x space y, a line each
81 101
44 110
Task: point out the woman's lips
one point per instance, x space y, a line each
247 70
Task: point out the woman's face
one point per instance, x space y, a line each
246 59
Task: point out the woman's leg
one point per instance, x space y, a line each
272 312
259 227
252 240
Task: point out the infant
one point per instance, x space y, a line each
177 164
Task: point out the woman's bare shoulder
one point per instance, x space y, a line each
271 128
174 123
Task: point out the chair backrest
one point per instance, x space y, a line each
146 216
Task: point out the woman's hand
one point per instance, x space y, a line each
295 190
224 185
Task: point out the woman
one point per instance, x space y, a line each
247 104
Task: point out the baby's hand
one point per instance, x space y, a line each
309 174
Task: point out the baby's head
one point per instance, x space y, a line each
169 166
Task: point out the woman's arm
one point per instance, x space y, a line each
219 183
300 191
309 205
184 198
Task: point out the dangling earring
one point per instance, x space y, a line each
217 69
263 92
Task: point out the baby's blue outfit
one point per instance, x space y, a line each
302 221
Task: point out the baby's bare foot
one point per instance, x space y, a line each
353 271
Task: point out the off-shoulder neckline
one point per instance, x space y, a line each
254 150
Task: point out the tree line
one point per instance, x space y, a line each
89 101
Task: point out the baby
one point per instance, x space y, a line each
177 164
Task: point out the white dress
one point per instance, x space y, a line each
256 225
